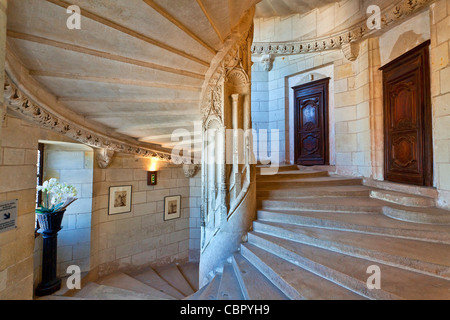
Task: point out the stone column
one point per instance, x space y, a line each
236 146
3 6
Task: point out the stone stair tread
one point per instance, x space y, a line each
429 257
152 279
342 204
397 282
416 214
196 296
407 199
190 272
375 223
313 179
359 190
254 284
229 288
297 282
212 289
175 278
58 298
94 291
122 281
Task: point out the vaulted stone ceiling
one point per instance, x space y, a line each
271 8
136 67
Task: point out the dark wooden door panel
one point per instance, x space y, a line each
311 123
407 118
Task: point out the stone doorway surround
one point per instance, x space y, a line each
305 77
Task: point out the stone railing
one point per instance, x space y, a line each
228 176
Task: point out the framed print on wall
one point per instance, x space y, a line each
172 208
119 200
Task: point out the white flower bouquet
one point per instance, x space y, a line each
56 196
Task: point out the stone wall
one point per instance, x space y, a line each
18 156
141 237
440 92
132 240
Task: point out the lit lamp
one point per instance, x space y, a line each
152 173
152 178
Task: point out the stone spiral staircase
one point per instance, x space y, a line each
317 234
315 237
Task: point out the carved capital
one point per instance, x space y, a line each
190 170
104 158
351 51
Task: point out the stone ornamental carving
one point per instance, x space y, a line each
104 158
267 62
190 170
17 101
351 51
391 15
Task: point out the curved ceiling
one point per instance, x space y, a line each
135 66
271 8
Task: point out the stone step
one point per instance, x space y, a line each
229 288
308 182
404 199
196 296
403 188
343 204
297 283
341 191
123 281
281 168
292 175
434 216
212 289
351 272
94 291
371 224
172 275
190 272
254 285
425 257
152 279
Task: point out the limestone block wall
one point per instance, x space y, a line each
440 92
131 240
260 103
141 237
18 155
350 143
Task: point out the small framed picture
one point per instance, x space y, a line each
172 208
119 200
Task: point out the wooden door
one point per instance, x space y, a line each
407 118
311 123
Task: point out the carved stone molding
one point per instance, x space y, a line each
39 114
190 170
392 14
104 158
351 51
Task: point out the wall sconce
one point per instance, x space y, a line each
152 178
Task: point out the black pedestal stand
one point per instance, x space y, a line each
50 226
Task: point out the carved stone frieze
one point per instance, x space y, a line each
359 31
